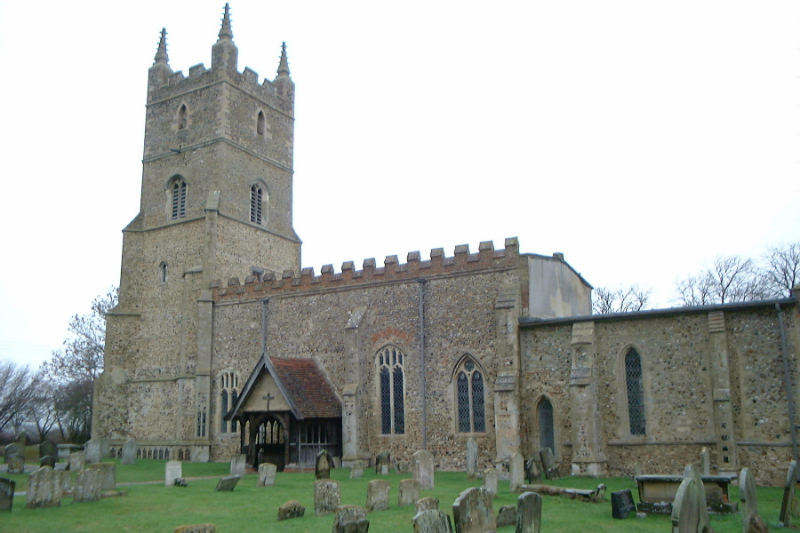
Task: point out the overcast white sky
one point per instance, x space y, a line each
638 138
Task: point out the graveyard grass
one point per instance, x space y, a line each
156 508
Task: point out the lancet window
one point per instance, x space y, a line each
391 378
470 397
635 389
229 393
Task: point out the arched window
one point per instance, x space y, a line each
182 122
178 190
229 392
547 436
260 123
162 272
470 397
256 204
635 389
390 363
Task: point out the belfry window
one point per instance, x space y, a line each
260 123
162 272
635 389
391 380
182 122
470 398
256 204
179 191
229 393
547 437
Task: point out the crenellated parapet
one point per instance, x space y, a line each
266 284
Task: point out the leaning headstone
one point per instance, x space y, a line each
409 492
427 503
266 474
516 472
44 489
382 461
346 518
705 461
751 521
326 496
77 461
238 463
108 474
686 509
322 469
622 504
48 448
88 486
227 483
378 495
785 518
490 479
10 450
357 470
16 463
529 513
472 458
507 516
105 448
129 452
692 472
549 464
48 460
6 493
92 451
472 512
432 521
196 528
532 472
422 467
291 509
172 470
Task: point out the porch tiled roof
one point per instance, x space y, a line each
311 393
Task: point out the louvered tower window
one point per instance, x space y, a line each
547 438
469 392
179 189
633 381
391 390
256 204
162 272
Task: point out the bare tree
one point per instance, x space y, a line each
727 279
620 300
17 393
781 269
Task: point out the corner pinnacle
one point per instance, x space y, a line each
225 32
283 67
161 54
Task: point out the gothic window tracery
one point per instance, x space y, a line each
635 390
391 390
470 403
229 393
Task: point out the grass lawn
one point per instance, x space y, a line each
158 508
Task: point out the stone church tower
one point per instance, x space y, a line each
216 198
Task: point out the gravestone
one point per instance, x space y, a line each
322 469
6 493
31 454
622 504
48 448
529 513
357 470
472 512
516 472
22 439
66 481
238 464
409 492
532 472
785 518
266 474
382 461
472 459
401 467
705 461
227 483
506 516
77 461
196 528
427 503
48 460
347 516
290 509
92 451
16 463
44 489
422 467
691 471
129 452
637 470
686 509
751 521
108 474
10 450
490 480
377 495
105 448
432 521
549 464
326 496
88 486
172 470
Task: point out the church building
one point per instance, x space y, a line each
222 343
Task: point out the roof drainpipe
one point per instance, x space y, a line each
422 361
264 303
787 379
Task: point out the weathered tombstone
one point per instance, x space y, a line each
705 461
490 479
44 489
105 448
516 472
529 513
401 467
238 463
409 492
16 463
785 518
751 521
10 450
427 503
108 474
31 454
422 467
357 470
432 521
472 458
326 496
48 460
691 471
77 461
549 464
48 448
88 486
66 481
382 461
506 516
686 508
532 472
172 470
196 528
290 509
266 474
472 512
6 493
92 451
378 495
129 452
227 483
622 504
322 469
347 516
637 470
